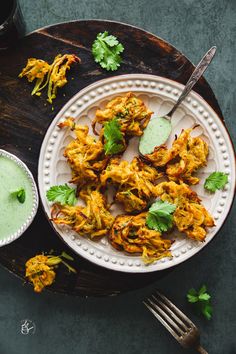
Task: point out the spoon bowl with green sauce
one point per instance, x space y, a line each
18 197
159 128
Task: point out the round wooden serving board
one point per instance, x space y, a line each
24 121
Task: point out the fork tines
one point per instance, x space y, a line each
177 323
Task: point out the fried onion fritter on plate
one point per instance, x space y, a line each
135 182
190 216
185 157
93 220
85 154
131 113
130 233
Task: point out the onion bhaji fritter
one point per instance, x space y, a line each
85 155
135 182
185 157
51 75
93 220
131 113
130 233
190 216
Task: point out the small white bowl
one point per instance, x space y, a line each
33 212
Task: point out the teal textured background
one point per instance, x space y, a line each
118 325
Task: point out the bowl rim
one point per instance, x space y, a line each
12 237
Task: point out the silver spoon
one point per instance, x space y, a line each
159 128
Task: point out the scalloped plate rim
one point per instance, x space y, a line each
143 77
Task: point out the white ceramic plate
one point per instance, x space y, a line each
159 94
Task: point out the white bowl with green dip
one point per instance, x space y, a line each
18 197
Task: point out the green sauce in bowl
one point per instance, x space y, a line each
15 217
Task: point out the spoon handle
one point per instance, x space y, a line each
197 73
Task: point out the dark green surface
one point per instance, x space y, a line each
122 324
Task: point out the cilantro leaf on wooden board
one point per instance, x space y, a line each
106 51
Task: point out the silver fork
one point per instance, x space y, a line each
175 321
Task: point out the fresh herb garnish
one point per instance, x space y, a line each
62 194
106 50
113 137
19 194
201 301
160 216
216 180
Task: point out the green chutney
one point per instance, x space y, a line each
13 214
155 134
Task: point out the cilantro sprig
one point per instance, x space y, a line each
216 180
62 194
201 301
113 137
106 51
19 194
160 216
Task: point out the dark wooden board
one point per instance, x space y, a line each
24 121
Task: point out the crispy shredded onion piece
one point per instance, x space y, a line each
93 220
57 75
190 216
131 113
130 233
185 157
84 154
135 182
53 75
39 272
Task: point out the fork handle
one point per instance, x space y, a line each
201 350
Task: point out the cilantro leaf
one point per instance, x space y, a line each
160 216
201 301
192 299
106 51
207 311
202 290
19 194
192 291
62 194
216 180
113 137
204 297
192 296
